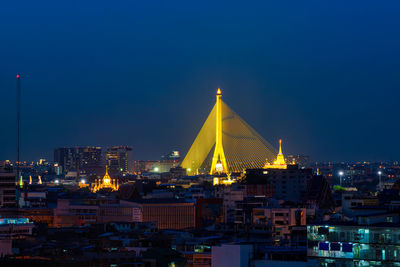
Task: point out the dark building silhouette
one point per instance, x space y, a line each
319 193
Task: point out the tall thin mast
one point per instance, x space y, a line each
18 124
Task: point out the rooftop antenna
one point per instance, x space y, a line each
18 124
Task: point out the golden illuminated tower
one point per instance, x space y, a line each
218 161
280 162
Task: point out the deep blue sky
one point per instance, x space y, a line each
322 75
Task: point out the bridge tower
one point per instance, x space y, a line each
218 164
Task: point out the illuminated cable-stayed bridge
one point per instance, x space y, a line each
236 145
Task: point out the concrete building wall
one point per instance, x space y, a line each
231 255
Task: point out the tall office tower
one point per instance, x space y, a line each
90 159
119 159
65 157
7 189
80 159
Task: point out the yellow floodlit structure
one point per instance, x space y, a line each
236 145
218 164
223 180
82 184
40 179
105 183
30 179
280 162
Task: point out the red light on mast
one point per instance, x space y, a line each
18 76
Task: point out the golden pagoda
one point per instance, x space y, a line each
280 162
105 183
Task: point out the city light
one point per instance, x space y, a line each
112 175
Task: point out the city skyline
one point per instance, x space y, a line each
199 134
306 78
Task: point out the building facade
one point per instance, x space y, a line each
354 245
79 159
7 189
119 159
167 213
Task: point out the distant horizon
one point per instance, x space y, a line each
322 76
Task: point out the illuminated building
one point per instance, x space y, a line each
156 166
354 245
236 145
82 183
280 162
105 183
80 159
119 159
14 227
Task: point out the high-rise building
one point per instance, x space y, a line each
119 159
80 159
7 189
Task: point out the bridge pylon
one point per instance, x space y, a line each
218 164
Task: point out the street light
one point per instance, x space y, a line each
380 176
340 176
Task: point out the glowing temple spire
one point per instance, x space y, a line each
105 183
280 162
280 159
218 164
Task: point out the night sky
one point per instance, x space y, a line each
322 75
